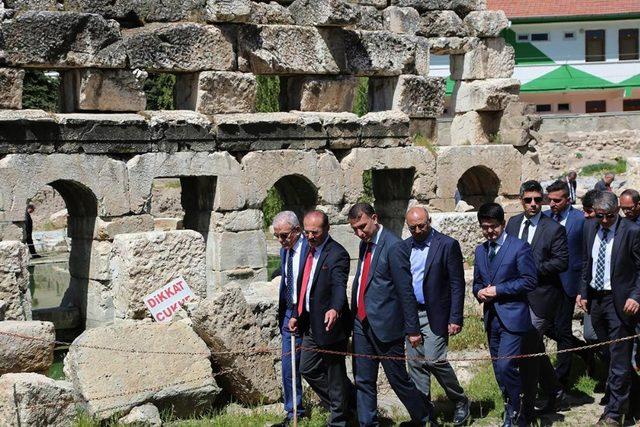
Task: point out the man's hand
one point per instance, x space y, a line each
454 329
415 340
581 303
330 318
631 307
293 325
487 294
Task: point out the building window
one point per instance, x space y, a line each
631 105
564 107
594 46
540 37
570 35
628 44
596 106
523 37
543 108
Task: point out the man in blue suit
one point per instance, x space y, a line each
504 272
385 312
286 228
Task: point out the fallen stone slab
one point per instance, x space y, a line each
14 280
29 399
147 415
116 368
226 322
26 346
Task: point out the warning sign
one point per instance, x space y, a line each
164 302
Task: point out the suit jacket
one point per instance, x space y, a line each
443 285
282 302
625 265
28 225
329 291
551 254
601 186
389 302
574 225
513 273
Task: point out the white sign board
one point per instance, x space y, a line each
164 302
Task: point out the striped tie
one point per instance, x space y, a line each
598 283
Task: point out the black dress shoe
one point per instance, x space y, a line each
555 403
462 413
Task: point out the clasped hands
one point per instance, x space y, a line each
487 294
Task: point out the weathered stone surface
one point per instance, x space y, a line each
444 23
452 45
225 322
107 90
486 23
3 308
461 226
26 346
241 276
228 10
270 13
188 127
96 256
462 7
147 415
178 374
384 129
379 53
34 400
99 301
140 10
474 128
343 234
323 13
144 262
269 50
519 125
62 39
263 298
180 47
30 4
234 250
485 95
14 280
246 220
401 19
226 92
370 19
419 96
11 88
492 58
326 94
108 228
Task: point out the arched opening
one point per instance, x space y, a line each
478 185
391 189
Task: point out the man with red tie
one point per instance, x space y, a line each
385 313
320 317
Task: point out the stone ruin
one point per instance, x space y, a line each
104 150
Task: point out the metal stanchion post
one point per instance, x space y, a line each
293 380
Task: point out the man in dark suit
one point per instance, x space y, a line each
322 316
605 183
573 222
630 205
286 229
384 312
28 230
572 183
611 293
504 272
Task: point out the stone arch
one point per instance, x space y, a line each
298 194
478 185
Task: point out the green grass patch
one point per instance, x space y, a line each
620 166
273 264
361 99
55 370
472 336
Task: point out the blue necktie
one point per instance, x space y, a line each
492 250
289 279
598 283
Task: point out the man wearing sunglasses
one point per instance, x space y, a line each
630 205
548 242
610 292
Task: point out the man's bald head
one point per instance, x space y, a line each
417 213
418 222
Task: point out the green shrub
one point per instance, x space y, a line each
619 167
159 88
40 91
268 92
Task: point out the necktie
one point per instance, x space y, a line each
525 232
362 313
308 265
557 217
492 250
289 281
598 283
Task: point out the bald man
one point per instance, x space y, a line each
438 286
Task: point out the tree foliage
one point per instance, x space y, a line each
40 91
361 101
159 89
268 92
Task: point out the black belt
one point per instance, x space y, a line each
601 293
422 307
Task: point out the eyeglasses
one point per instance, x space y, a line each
607 215
312 232
529 199
418 226
283 236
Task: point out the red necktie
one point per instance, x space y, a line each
306 275
362 313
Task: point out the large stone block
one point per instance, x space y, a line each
288 49
324 13
401 19
244 249
485 95
486 23
241 276
419 96
216 92
99 304
14 280
96 255
444 23
461 7
141 10
30 4
380 53
474 128
246 220
370 19
181 47
11 88
324 94
226 323
270 13
35 400
461 226
106 90
519 125
108 228
62 39
264 298
228 10
26 346
176 374
452 45
492 58
343 234
144 262
384 129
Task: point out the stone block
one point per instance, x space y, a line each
379 53
343 129
378 4
224 92
14 280
401 19
419 96
168 224
144 262
228 10
97 133
105 90
35 400
141 10
492 58
30 4
474 128
11 88
226 323
324 13
241 276
461 226
271 13
147 415
26 346
325 94
443 23
486 23
384 129
180 47
452 45
177 375
96 255
234 250
62 39
263 298
246 220
108 228
485 95
269 49
185 126
99 305
519 125
370 19
462 7
343 234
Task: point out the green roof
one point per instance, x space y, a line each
567 78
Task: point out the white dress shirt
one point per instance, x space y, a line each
532 227
374 244
500 241
316 256
607 259
297 253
